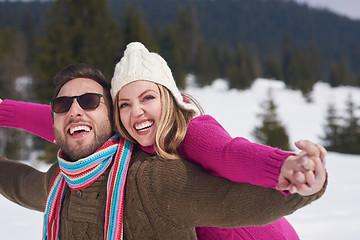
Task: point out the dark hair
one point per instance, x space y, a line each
81 70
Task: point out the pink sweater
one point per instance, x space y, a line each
207 144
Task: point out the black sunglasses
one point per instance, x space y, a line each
86 101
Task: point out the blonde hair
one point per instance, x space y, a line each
172 126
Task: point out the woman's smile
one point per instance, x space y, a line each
144 125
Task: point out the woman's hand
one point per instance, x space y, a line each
305 172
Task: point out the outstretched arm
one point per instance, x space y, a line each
32 117
208 144
24 185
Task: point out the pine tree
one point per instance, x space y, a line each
77 31
12 61
301 67
271 132
7 38
208 65
185 42
171 51
272 68
29 34
12 66
241 69
189 32
337 74
135 28
340 75
342 134
351 130
332 129
286 59
310 69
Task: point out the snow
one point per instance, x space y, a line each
335 216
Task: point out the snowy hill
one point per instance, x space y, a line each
237 110
335 216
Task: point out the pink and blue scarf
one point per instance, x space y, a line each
84 172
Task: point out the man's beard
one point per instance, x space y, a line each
75 153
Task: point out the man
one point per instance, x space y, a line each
83 193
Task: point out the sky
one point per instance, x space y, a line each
349 8
334 216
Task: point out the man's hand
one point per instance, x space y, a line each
305 172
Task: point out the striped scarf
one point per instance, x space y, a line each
84 172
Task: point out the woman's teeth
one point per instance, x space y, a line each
143 126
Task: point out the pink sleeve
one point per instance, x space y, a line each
32 117
208 144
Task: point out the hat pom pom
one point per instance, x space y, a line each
135 46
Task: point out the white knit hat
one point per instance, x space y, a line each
140 64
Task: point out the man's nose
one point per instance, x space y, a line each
76 109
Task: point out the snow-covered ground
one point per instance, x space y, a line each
335 216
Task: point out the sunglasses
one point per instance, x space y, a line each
86 101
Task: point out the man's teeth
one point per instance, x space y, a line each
79 128
143 126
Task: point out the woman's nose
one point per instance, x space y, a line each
137 110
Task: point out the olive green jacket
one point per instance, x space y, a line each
164 199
